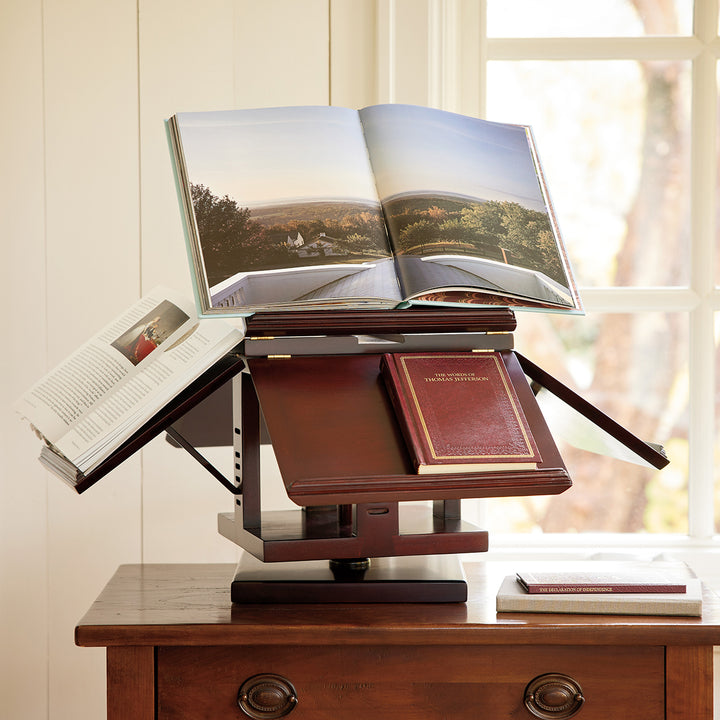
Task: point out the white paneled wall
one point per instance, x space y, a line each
90 221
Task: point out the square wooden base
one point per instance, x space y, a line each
414 579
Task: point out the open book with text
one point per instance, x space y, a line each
302 208
91 403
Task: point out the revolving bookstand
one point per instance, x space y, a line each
368 528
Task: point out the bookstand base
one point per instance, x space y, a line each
414 579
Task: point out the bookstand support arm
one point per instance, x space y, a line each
185 445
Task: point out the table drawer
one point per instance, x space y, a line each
411 683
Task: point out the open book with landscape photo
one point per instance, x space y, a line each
303 208
92 402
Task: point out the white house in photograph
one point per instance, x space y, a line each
322 246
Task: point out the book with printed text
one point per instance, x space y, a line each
647 581
94 402
459 412
511 597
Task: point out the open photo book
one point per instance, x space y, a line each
302 208
91 403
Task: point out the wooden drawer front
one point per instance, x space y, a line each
412 683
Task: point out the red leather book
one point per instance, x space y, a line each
458 412
600 582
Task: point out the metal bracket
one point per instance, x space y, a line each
185 445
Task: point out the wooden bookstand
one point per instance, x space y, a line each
310 384
343 460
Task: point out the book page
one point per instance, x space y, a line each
66 394
281 209
466 208
191 350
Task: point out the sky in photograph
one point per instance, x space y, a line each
416 149
266 155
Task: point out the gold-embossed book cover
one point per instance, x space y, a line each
459 412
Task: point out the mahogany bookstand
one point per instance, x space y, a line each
316 390
368 528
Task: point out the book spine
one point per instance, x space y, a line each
615 588
404 411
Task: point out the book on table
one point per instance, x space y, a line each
511 597
644 581
303 208
459 412
623 587
96 399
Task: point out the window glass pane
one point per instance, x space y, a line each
613 140
633 367
609 18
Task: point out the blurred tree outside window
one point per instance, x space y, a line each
614 126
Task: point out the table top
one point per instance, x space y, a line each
181 604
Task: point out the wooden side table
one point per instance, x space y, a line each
177 648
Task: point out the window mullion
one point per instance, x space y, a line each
702 342
572 48
705 19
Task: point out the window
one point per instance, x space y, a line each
622 98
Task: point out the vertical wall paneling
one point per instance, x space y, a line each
453 55
408 34
282 49
403 34
443 50
23 489
429 53
91 220
92 235
353 46
385 50
186 63
470 22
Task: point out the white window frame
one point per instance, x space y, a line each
458 52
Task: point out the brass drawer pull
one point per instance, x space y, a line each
265 697
553 696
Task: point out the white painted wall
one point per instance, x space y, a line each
90 221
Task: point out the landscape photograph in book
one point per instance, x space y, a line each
284 206
150 332
464 203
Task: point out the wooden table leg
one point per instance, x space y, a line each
130 683
689 682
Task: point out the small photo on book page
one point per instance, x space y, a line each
150 332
